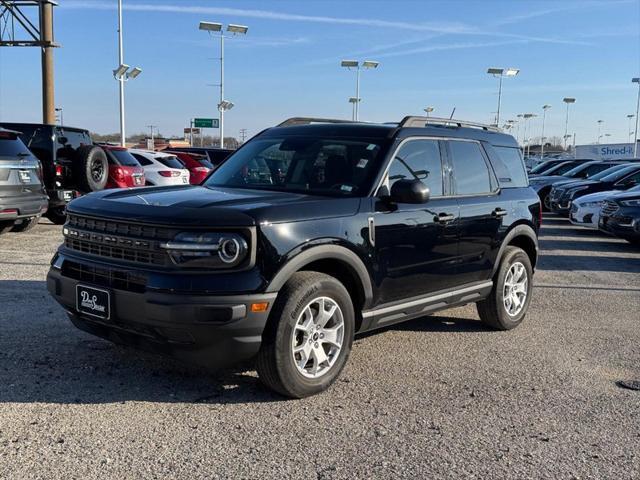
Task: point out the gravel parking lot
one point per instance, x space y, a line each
439 397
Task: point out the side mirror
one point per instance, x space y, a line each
409 191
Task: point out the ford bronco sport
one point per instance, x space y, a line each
313 231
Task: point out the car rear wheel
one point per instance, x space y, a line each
507 304
25 224
57 215
308 337
6 226
546 201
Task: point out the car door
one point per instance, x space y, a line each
629 181
416 246
482 209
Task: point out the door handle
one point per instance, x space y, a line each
499 212
444 218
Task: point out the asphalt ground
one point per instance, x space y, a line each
437 397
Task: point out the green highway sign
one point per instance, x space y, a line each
205 123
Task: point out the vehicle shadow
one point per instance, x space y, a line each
45 359
435 324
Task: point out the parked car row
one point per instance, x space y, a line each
43 167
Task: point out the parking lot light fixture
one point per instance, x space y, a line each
119 72
544 117
501 72
568 101
355 64
600 122
133 73
629 131
428 110
217 30
635 135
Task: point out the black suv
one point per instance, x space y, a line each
71 164
311 232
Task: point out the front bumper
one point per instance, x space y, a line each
207 330
621 225
584 216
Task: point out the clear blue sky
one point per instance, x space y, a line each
431 53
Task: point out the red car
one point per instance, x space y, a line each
124 169
198 165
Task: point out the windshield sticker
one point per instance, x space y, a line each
362 163
371 146
346 188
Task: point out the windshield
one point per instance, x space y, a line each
561 168
124 158
170 161
612 177
542 167
608 171
318 166
587 170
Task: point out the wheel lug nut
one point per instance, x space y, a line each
322 335
316 345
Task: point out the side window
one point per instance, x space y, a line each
471 174
510 169
418 159
142 160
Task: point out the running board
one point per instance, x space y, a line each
393 313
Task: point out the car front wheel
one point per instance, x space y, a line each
308 337
507 304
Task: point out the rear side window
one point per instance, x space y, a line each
470 170
142 160
418 159
510 168
124 158
12 146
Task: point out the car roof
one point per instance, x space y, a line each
384 131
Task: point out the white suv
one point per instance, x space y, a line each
161 169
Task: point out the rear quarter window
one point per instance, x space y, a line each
12 146
509 167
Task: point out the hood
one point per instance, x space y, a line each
198 205
594 197
624 195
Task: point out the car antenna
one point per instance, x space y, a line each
452 112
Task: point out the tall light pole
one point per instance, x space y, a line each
355 64
600 122
629 131
527 117
544 117
501 72
520 118
216 28
353 101
635 136
123 74
567 100
428 110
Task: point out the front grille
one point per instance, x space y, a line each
105 277
609 208
123 241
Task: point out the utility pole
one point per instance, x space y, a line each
243 134
17 29
153 142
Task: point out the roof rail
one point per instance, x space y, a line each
412 121
309 120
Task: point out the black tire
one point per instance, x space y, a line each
545 201
91 169
25 224
57 215
492 310
275 360
6 226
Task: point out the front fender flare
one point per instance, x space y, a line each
324 252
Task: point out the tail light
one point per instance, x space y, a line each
39 172
202 169
59 170
119 174
169 173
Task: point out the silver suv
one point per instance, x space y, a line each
22 196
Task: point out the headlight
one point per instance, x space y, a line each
631 203
590 204
208 250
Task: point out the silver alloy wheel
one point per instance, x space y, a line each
514 293
316 341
